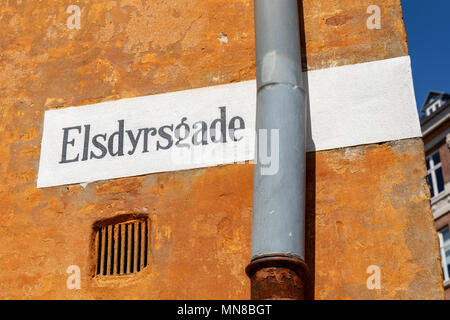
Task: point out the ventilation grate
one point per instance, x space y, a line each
122 248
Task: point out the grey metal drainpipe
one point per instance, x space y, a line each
277 269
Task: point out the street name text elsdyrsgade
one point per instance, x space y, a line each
182 135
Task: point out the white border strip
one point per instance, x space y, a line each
361 104
351 105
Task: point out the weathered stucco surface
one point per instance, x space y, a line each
372 208
368 205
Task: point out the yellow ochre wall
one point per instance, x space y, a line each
367 205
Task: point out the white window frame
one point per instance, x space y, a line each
444 261
433 107
432 172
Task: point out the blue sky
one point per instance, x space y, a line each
428 30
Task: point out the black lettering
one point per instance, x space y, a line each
66 142
166 136
152 131
134 141
232 128
187 131
223 122
87 130
203 131
120 135
99 146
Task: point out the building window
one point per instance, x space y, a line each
432 109
444 239
435 178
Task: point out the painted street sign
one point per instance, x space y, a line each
166 132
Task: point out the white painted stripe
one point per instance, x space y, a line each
361 104
350 105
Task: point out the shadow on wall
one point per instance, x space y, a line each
310 199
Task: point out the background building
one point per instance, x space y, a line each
435 124
369 226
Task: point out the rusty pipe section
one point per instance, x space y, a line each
277 269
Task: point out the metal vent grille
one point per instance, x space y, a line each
122 248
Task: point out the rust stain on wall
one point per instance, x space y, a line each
338 20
